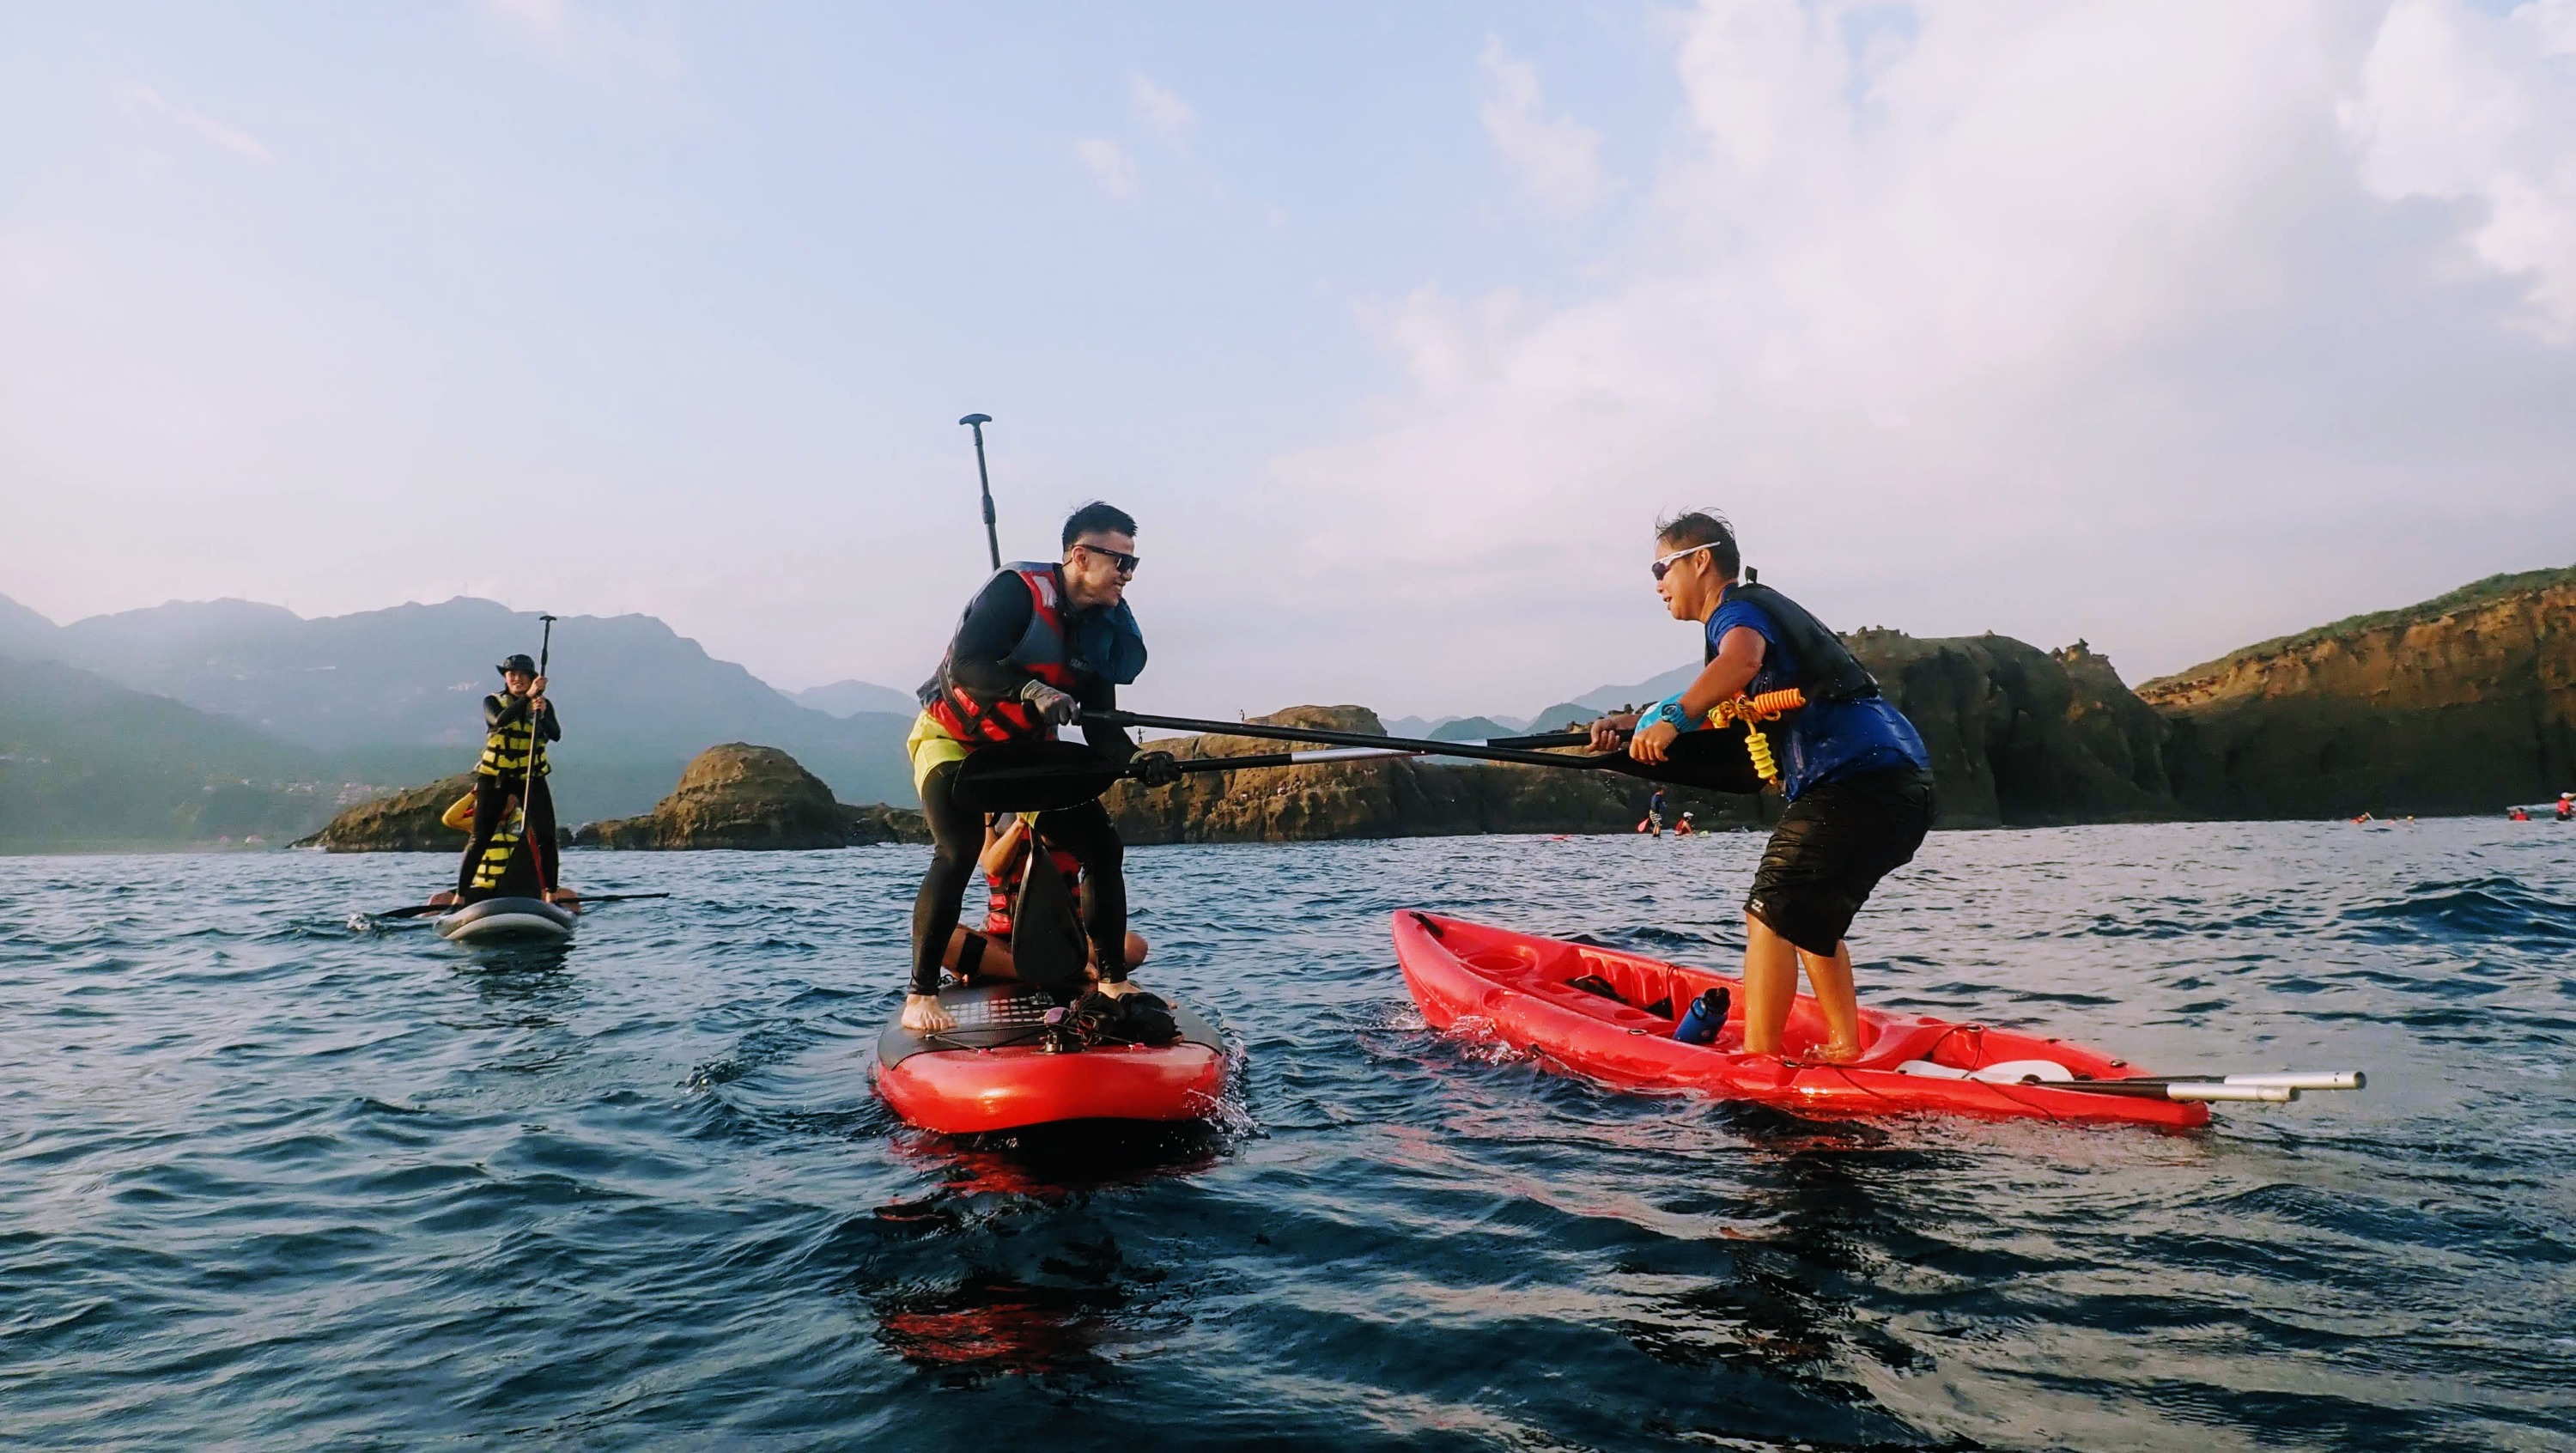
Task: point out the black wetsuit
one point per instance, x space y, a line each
493 790
979 661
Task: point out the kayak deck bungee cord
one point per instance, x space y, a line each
1610 1016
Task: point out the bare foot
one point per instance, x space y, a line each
1834 1054
922 1015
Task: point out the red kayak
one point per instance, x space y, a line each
994 1072
1609 1016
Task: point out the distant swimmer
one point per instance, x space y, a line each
1683 828
2566 806
516 720
2516 814
1857 777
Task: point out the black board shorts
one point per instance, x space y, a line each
1831 848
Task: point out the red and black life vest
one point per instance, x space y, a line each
1005 890
1041 652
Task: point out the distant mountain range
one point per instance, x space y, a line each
1584 708
200 722
255 701
85 762
394 697
849 698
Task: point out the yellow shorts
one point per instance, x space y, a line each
928 746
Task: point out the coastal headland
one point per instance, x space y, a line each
185 735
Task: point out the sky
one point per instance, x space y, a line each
2164 324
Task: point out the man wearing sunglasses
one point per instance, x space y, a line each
1038 647
1857 777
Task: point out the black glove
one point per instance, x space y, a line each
1157 769
1050 704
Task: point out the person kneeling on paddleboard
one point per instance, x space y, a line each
1857 778
1040 645
514 718
503 867
985 953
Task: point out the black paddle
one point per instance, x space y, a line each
1714 760
1037 775
423 910
992 540
1041 776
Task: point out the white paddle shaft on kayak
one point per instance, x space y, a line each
2244 1089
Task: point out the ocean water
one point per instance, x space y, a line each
267 1181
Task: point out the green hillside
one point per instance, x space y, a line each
85 763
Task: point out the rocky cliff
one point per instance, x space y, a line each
2459 704
742 796
406 822
2022 737
1401 797
2018 736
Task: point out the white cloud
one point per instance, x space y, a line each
143 103
2459 106
1166 115
2055 320
1558 159
579 39
1110 167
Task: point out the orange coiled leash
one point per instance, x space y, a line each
1753 711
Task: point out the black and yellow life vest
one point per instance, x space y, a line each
494 866
506 747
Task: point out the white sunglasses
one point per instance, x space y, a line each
1666 563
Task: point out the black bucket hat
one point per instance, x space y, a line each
521 662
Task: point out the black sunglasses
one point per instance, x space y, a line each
1126 563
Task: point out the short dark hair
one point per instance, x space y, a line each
1097 517
1703 527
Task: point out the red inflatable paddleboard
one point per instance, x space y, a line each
994 1072
1609 1016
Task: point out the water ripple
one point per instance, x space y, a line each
276 1179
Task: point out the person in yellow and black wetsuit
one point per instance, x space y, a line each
515 718
1039 645
504 867
985 953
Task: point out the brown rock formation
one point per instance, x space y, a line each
742 796
2460 704
406 822
2018 736
1400 797
2022 737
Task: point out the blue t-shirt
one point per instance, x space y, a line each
1829 740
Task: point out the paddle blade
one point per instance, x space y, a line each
1713 761
1031 776
1048 949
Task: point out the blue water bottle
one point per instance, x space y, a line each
1706 1017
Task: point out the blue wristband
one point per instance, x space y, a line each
1670 709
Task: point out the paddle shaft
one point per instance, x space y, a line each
1392 746
536 746
418 910
984 477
